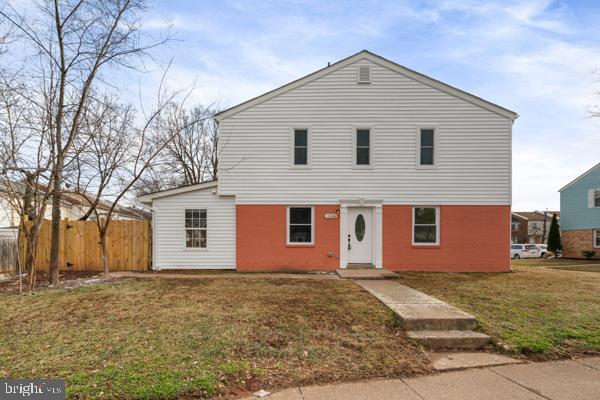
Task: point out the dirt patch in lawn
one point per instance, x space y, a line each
540 313
582 268
68 280
173 338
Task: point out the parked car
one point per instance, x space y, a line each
524 251
543 248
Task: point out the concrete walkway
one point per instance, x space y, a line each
426 319
225 275
554 380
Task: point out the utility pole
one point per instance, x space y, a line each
544 231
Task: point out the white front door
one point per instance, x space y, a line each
360 235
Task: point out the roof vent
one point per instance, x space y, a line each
364 74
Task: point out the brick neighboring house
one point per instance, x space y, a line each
528 227
580 210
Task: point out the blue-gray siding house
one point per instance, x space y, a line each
580 214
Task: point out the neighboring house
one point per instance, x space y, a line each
73 207
364 162
531 227
580 212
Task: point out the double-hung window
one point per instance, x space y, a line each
363 147
426 225
597 238
300 151
300 225
597 198
426 147
196 226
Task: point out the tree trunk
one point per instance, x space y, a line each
30 259
55 244
103 253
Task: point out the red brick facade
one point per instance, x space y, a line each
576 242
261 240
472 238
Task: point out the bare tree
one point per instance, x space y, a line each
24 162
74 42
190 155
117 153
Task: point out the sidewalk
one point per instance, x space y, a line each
554 380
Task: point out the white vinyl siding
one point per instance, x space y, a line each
169 231
473 145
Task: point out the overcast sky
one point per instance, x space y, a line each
538 58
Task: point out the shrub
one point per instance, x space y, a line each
589 254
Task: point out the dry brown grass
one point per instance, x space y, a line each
171 338
541 313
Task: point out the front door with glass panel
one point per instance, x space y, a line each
360 235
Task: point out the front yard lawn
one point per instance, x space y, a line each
538 312
176 338
552 262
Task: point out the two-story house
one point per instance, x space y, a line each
580 215
531 227
364 162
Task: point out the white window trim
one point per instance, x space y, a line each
595 194
437 226
308 149
312 226
185 248
355 129
435 147
595 232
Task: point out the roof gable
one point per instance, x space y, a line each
589 171
362 55
147 198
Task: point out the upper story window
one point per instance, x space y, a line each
196 227
362 147
426 225
301 147
300 225
597 198
426 150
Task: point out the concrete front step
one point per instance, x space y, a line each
450 339
366 273
439 324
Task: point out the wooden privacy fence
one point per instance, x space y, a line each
128 243
9 255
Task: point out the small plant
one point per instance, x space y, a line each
589 254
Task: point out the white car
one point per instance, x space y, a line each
543 248
524 251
